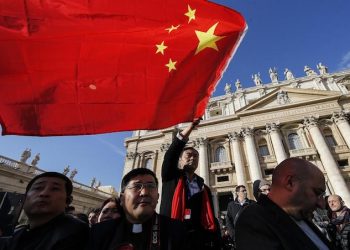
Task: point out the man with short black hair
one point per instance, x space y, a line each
281 219
141 228
234 209
47 196
185 196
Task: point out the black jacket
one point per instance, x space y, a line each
265 226
170 177
62 233
234 209
113 232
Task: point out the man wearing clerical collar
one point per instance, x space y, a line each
141 227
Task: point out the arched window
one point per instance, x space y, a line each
220 154
263 148
149 163
329 138
294 141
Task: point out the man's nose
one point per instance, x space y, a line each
45 192
144 191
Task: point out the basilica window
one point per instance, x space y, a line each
329 138
220 154
263 148
148 163
294 141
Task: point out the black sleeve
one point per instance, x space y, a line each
170 163
230 220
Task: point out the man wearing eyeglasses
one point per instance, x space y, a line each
282 219
234 209
185 196
141 228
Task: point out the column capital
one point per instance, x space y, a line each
131 155
311 121
201 141
339 117
247 132
234 136
164 147
272 127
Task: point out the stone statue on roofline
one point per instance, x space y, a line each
25 155
273 75
238 85
93 181
228 89
257 80
288 74
73 174
66 170
322 68
35 160
98 184
308 71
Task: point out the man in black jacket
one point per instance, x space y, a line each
47 196
185 196
141 227
235 208
281 220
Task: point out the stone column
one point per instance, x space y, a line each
253 159
237 155
216 204
203 159
340 119
273 130
334 174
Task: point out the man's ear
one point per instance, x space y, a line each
289 182
69 200
121 198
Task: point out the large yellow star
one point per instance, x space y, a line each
170 29
171 65
191 14
207 39
160 48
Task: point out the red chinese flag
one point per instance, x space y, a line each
72 67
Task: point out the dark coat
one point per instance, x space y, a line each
61 233
234 209
171 174
109 232
264 225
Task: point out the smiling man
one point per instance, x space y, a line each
47 196
141 227
281 219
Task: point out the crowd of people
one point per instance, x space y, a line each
292 212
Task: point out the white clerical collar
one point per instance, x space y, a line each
136 228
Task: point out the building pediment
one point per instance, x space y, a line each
285 96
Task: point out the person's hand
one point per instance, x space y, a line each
195 122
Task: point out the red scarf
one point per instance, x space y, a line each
179 204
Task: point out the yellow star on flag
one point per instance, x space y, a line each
207 39
161 47
170 29
171 65
191 14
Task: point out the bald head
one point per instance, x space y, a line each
297 187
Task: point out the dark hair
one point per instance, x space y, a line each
239 187
68 185
95 210
187 148
135 172
116 201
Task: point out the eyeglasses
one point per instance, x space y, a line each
242 191
137 187
265 189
